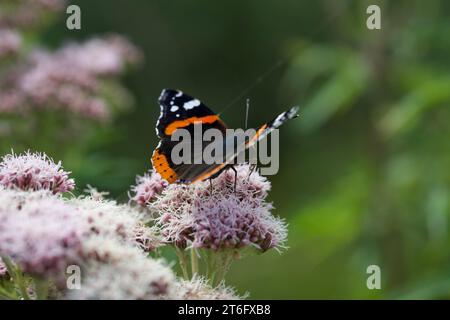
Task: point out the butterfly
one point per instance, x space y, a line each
179 110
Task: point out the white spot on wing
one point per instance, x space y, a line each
279 120
191 104
179 94
174 108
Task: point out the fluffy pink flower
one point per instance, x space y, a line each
101 56
26 14
107 219
198 289
10 42
147 188
69 79
43 235
118 272
11 101
34 171
225 218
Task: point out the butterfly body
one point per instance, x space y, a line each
179 110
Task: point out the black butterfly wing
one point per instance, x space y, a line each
179 110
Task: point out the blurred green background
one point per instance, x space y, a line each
364 175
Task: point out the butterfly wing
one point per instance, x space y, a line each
260 134
179 110
268 127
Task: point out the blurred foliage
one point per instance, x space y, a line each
364 175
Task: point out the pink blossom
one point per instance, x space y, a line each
226 218
107 56
108 219
10 42
71 79
198 289
11 101
26 14
147 188
34 171
42 235
117 272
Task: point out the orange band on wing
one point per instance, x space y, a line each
161 165
184 123
208 174
257 135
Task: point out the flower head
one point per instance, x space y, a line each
39 232
44 233
34 171
10 42
198 289
123 273
147 188
108 219
222 219
101 56
26 14
70 79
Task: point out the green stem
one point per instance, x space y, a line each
183 262
20 280
17 276
7 295
213 263
41 287
225 260
194 262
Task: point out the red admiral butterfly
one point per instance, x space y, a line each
178 110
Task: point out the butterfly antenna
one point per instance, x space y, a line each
246 113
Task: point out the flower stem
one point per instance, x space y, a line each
7 295
183 262
17 276
194 262
222 267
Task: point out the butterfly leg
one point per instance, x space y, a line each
235 177
210 187
252 169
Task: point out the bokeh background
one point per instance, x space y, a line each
364 175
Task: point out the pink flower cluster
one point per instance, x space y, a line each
199 289
71 78
224 218
43 232
26 14
106 218
147 188
34 171
123 273
42 235
10 43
